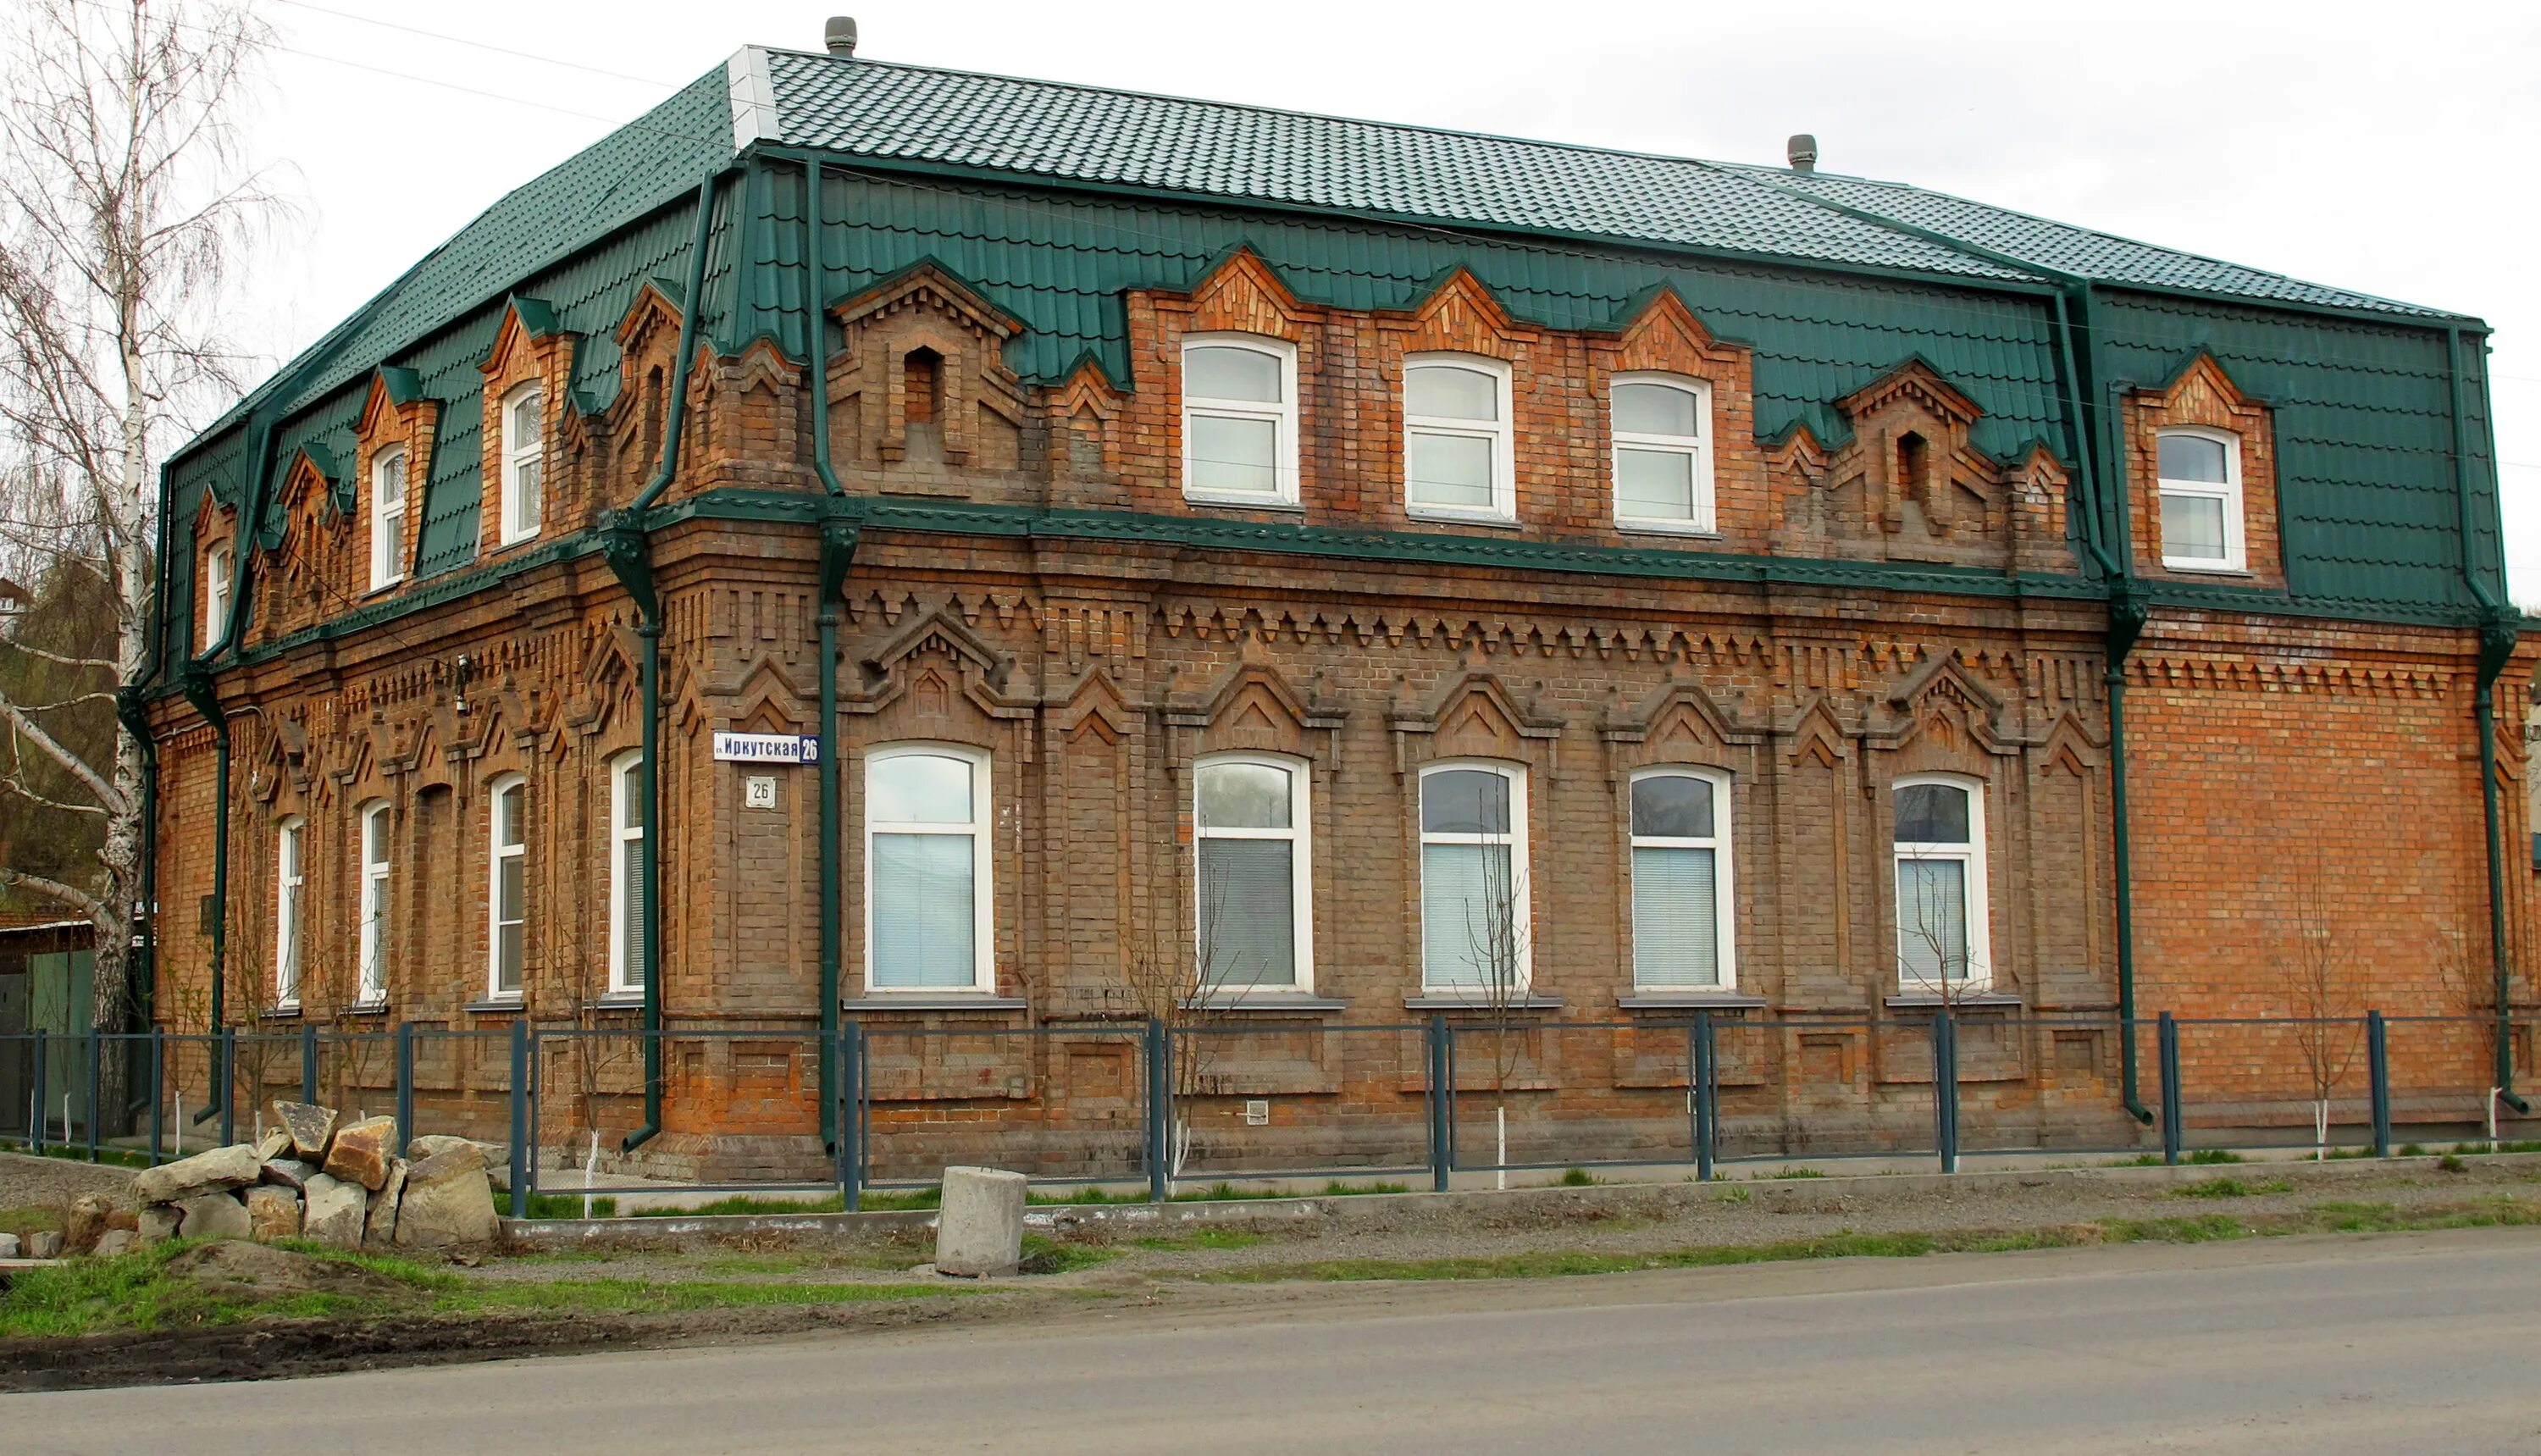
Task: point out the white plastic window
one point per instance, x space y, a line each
1662 428
1240 419
507 887
627 867
1940 857
374 865
1253 916
219 575
928 897
1457 450
1682 918
388 517
524 461
1473 922
2201 501
290 884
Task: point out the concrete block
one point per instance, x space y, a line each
979 1230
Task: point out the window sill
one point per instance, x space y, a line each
1438 516
509 542
1690 1000
495 1005
287 1013
1987 1001
617 1002
1244 502
1451 1001
1265 1003
1666 527
366 1009
2206 568
931 1001
382 588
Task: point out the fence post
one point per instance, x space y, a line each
35 1096
521 1116
96 1050
1441 1153
1707 1097
851 1142
308 1062
405 1082
1945 1089
2377 1063
2174 1118
158 1090
1158 1113
229 1085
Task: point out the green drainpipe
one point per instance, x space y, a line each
837 553
627 546
2497 631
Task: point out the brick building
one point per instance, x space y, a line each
1325 573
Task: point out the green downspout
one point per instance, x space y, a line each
627 547
837 553
2497 631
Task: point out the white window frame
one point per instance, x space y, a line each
522 512
2235 550
220 584
1283 415
1725 877
626 839
496 854
388 527
373 885
1299 836
1697 446
1502 435
983 945
1979 907
1521 891
290 908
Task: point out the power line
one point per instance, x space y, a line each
527 56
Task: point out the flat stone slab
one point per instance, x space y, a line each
310 1126
233 1166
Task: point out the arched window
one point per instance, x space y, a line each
2201 500
1473 921
1458 452
219 579
1683 923
927 899
1941 915
1662 429
1240 419
628 865
524 461
290 884
373 878
1254 915
388 517
507 887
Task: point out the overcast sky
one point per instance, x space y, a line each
2387 149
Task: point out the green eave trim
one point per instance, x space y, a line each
403 385
1331 544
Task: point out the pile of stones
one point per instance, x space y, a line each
347 1186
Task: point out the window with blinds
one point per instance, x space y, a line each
1680 916
1940 840
1473 921
1249 831
926 893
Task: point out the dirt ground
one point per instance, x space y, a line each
1182 1257
27 1182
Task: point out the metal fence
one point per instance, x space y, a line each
768 1109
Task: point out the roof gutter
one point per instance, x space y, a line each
627 545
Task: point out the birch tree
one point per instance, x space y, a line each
124 209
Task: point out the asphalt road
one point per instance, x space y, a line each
2420 1343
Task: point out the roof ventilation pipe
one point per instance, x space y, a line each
839 34
1801 148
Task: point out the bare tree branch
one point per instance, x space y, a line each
69 894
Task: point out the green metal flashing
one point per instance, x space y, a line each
401 385
538 316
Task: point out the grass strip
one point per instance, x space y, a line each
2200 1229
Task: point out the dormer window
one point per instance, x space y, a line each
219 575
921 404
1458 456
1240 420
2201 500
524 438
1662 430
388 517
